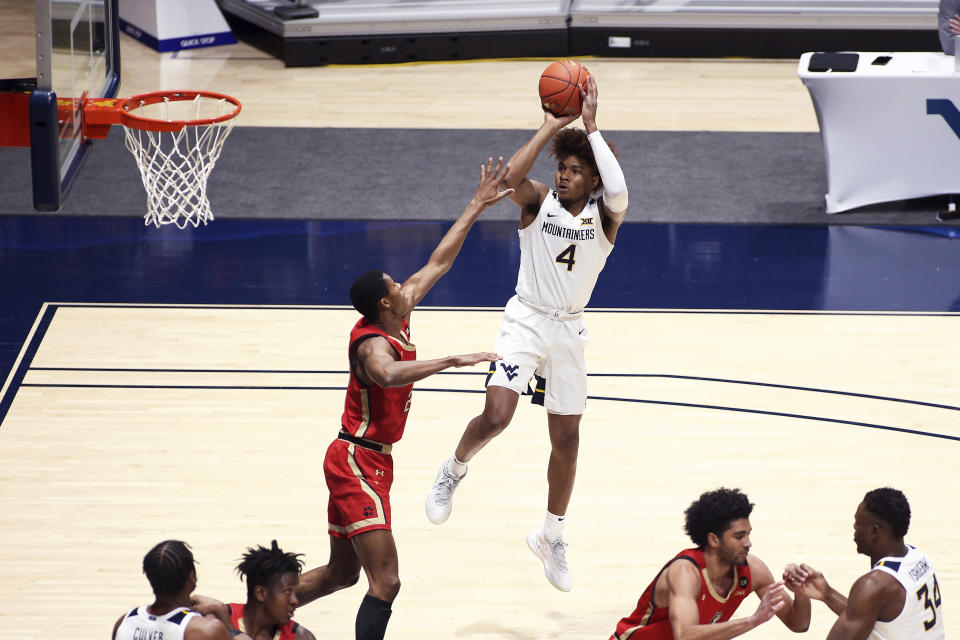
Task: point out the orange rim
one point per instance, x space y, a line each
154 97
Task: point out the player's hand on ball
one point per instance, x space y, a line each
561 91
559 121
588 98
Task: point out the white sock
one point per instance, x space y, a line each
455 466
553 527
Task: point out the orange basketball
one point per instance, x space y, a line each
560 87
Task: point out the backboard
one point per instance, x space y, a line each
78 56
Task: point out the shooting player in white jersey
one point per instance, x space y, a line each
566 235
899 598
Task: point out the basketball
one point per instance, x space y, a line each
560 87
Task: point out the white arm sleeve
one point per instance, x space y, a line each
614 184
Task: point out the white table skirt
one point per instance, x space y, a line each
883 131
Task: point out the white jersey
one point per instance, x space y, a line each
561 256
922 615
141 625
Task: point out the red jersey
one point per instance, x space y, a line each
286 632
650 621
373 412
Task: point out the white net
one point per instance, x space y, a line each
175 165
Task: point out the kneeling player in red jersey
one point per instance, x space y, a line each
358 466
694 595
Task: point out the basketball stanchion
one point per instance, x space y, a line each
176 138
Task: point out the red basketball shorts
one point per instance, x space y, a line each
359 483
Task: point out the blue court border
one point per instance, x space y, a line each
26 357
46 316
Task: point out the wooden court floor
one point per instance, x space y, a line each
136 423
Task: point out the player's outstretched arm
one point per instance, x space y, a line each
868 596
492 178
803 577
684 585
376 358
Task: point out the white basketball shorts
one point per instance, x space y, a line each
531 342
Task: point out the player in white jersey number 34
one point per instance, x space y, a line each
566 235
899 598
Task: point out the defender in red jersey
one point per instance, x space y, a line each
358 466
694 595
272 576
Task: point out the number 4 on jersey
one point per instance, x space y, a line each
566 257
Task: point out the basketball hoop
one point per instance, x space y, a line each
176 137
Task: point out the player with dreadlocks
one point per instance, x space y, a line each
272 577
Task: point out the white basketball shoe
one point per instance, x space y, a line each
439 502
553 555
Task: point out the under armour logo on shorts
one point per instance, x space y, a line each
510 370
